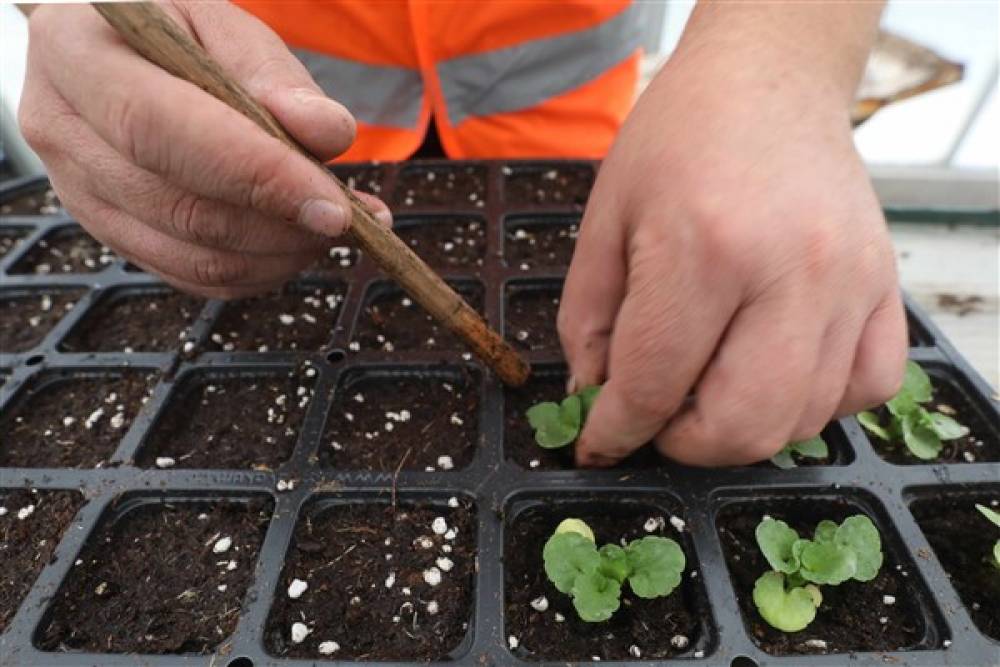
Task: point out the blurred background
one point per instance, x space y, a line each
929 131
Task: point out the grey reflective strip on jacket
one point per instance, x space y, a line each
374 94
522 76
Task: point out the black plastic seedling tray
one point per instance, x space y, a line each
491 487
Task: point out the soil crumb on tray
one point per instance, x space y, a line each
25 319
392 321
31 524
40 202
543 622
854 616
438 185
452 243
165 578
380 583
10 239
298 318
982 444
71 422
963 541
389 422
562 185
528 245
69 250
233 421
156 321
530 317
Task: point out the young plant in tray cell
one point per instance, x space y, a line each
594 577
993 516
907 421
813 448
788 596
558 424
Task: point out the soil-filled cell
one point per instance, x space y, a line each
381 582
963 541
530 317
555 185
883 614
136 322
530 244
11 238
446 243
408 422
982 444
838 446
26 318
71 422
42 201
300 318
542 624
364 177
31 525
459 186
230 421
391 321
163 578
69 250
339 258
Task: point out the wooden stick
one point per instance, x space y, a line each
151 32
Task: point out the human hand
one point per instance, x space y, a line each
733 284
171 178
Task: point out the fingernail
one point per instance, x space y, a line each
323 217
571 384
384 216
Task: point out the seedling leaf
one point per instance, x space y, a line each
587 397
568 556
922 441
656 564
614 562
788 611
946 428
992 515
814 448
596 597
916 383
870 421
860 535
827 563
775 539
576 526
556 425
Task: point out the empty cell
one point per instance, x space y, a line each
458 186
548 185
540 242
363 177
67 250
10 238
27 317
446 243
530 316
40 201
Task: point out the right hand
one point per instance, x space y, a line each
171 178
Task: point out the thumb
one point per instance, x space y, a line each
259 60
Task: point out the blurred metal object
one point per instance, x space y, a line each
897 69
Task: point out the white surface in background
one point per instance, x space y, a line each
13 54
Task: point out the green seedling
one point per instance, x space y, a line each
594 577
920 429
558 424
813 448
788 596
993 516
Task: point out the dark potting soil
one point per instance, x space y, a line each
853 616
557 185
31 525
230 422
981 444
70 250
435 186
71 422
151 322
530 318
300 317
655 629
963 541
365 567
391 321
541 244
519 438
10 239
156 581
25 319
392 422
366 178
839 448
458 242
339 258
40 202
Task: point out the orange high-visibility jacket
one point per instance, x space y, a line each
501 78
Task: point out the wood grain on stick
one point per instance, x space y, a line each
151 32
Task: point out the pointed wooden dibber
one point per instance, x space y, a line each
151 32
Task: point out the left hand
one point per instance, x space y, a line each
733 249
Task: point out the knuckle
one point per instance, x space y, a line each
218 270
645 402
34 130
264 191
129 121
192 216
